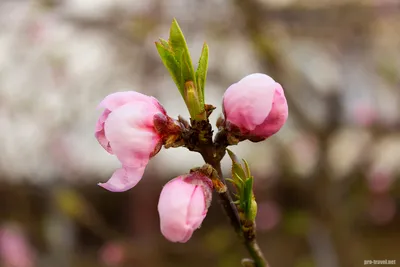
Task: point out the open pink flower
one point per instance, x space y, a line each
256 105
183 205
126 129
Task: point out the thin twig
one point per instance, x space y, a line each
214 159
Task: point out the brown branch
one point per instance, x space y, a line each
231 211
198 137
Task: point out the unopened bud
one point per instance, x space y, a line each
256 105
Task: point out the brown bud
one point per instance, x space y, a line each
219 186
183 122
210 172
232 139
173 140
209 109
156 149
220 122
160 122
165 125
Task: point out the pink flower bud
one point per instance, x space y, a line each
183 205
256 105
126 129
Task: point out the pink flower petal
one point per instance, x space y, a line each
248 102
99 133
197 210
131 134
256 105
173 208
126 129
183 206
118 99
276 118
123 179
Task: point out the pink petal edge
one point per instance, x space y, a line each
123 179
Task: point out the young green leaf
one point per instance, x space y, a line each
248 196
233 157
238 170
187 73
247 168
179 47
235 183
165 44
201 72
236 166
239 182
172 66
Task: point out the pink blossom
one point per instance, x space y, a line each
183 205
126 129
256 105
15 250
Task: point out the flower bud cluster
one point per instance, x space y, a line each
134 127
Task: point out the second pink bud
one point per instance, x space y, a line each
256 105
183 205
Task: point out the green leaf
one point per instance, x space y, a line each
237 178
187 70
179 47
248 196
187 80
201 72
238 170
231 181
236 166
233 157
247 168
171 64
165 44
239 182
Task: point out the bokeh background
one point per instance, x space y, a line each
327 184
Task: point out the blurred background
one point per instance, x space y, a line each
327 184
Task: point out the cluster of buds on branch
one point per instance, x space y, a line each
134 127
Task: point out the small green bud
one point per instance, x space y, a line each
253 210
196 109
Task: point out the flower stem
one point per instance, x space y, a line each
256 253
231 211
198 137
